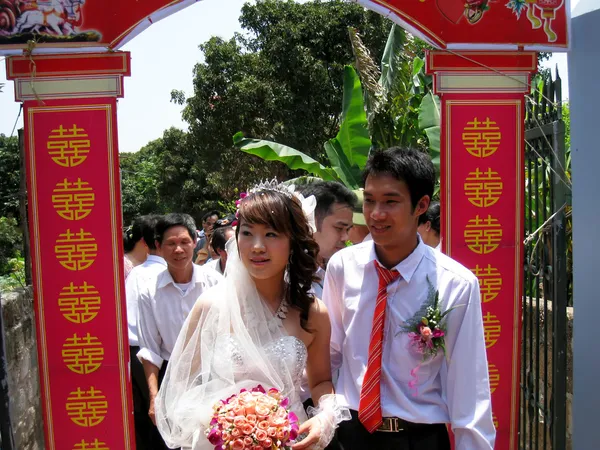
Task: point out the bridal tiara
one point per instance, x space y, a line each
273 185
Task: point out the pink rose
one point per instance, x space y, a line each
276 421
239 411
247 428
248 441
263 425
426 332
251 418
250 407
267 443
239 421
272 432
262 411
236 432
261 435
238 444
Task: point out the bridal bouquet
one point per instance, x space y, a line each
253 420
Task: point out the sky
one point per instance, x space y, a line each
162 59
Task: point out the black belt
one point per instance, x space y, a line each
396 424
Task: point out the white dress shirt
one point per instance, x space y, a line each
163 308
214 264
453 390
139 277
317 286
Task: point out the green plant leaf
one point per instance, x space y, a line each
353 135
389 67
430 121
348 174
294 159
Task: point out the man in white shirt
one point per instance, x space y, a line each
165 304
399 399
219 239
333 217
141 276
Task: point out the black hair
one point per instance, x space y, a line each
142 227
327 194
404 164
219 238
174 220
432 215
209 214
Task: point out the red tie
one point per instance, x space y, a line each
369 409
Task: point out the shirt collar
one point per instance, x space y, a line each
406 267
165 277
157 259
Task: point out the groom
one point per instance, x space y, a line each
400 398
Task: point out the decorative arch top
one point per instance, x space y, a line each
68 25
482 24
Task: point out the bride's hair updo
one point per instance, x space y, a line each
283 213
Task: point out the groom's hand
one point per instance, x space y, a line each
313 428
151 410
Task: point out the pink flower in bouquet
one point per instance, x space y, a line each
238 444
236 433
214 437
261 435
262 411
272 432
267 443
247 428
263 425
426 333
248 442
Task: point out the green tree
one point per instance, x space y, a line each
280 80
9 176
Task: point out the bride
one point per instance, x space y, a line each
261 325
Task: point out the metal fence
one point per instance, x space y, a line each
546 289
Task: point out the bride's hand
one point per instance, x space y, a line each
313 428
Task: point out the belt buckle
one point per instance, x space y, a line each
390 425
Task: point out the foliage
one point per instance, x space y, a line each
347 152
280 80
15 275
401 107
9 176
11 242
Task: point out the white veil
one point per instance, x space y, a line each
222 348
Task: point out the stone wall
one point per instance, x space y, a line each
23 380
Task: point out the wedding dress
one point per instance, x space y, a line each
230 341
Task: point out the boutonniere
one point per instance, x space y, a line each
427 330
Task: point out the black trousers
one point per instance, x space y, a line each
352 435
147 436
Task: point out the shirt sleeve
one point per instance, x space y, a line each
332 297
131 300
467 381
149 336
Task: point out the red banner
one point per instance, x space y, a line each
75 223
482 210
461 23
77 23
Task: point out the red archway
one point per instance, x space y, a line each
69 82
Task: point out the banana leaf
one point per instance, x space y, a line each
349 174
389 66
353 136
294 159
430 121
